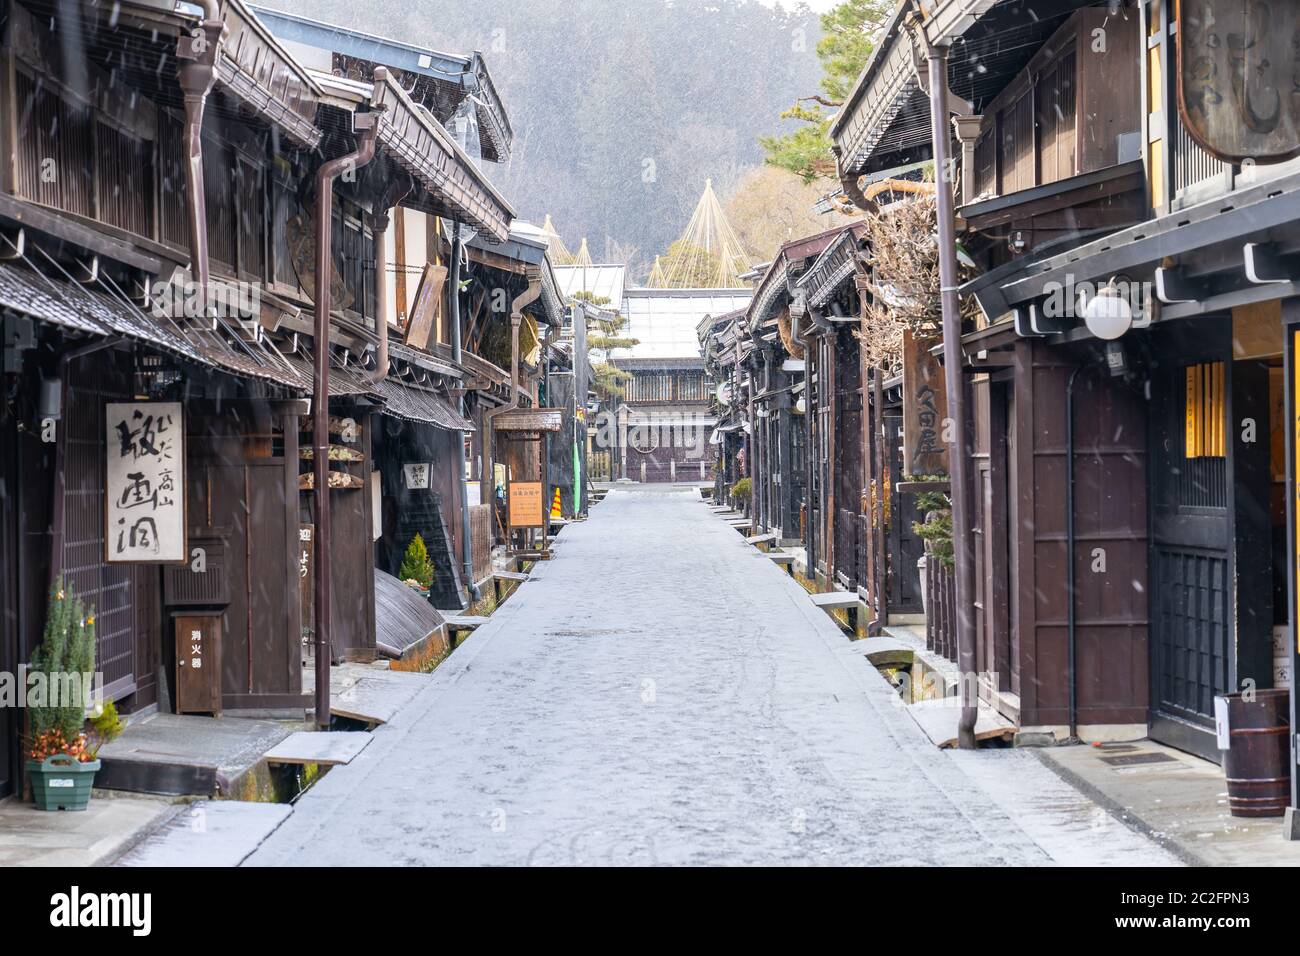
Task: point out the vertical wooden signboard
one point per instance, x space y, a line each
144 492
925 406
428 298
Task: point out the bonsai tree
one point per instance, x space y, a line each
64 663
416 565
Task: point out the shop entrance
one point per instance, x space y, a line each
1214 523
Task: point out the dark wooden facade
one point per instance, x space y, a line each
94 240
1130 535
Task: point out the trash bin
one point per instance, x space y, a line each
1254 731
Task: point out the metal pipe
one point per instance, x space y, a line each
810 365
197 73
379 225
861 284
325 177
963 548
1071 614
880 559
544 446
467 541
830 346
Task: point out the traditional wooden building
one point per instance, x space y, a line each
1128 454
724 348
101 215
664 421
159 311
515 281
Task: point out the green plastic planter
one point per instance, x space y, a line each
60 782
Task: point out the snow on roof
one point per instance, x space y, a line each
665 321
603 281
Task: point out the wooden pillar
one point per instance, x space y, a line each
832 466
622 441
810 412
1290 391
870 411
786 505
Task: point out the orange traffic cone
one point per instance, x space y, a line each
556 512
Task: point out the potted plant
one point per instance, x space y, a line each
742 491
62 757
416 570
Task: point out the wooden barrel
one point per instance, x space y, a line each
1257 762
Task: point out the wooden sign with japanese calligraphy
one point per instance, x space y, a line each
144 504
525 500
1239 78
428 300
307 574
925 404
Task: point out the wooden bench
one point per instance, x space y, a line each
758 539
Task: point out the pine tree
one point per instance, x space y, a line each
67 649
849 35
605 335
416 565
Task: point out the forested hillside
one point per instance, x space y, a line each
621 108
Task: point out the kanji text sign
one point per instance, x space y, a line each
145 482
525 499
1236 61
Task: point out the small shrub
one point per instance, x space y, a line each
742 490
416 565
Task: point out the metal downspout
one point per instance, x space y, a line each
197 73
830 348
963 550
325 177
1071 613
880 560
467 559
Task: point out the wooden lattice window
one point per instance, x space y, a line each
1205 411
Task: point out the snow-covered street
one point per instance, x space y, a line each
661 693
